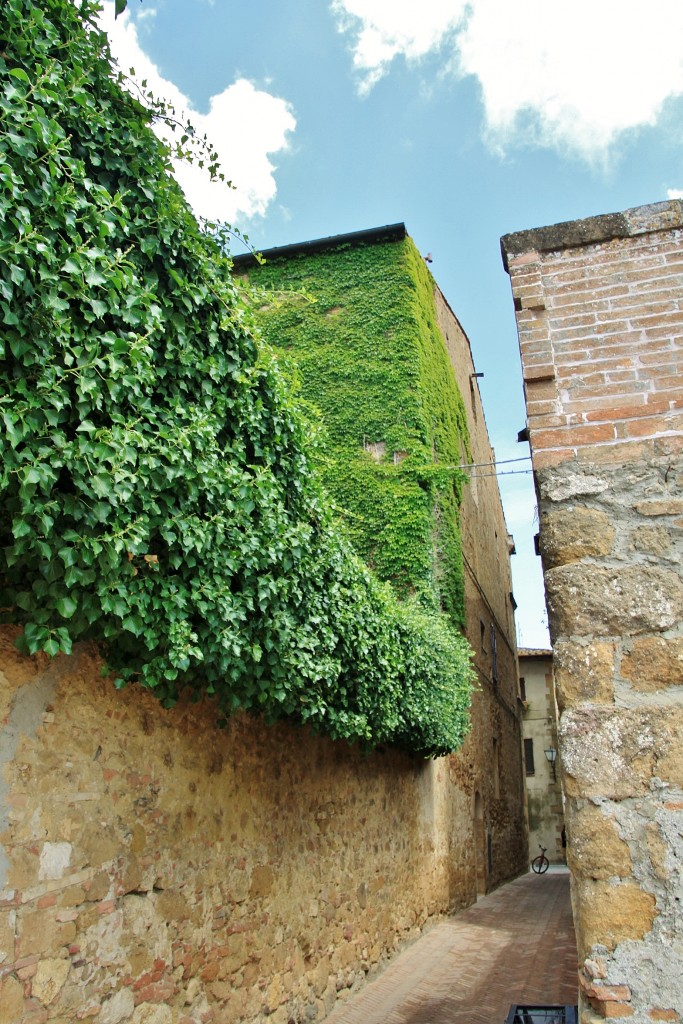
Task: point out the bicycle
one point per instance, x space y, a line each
541 863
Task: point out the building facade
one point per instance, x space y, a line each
544 796
382 354
600 319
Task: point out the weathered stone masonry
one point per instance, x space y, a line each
159 870
600 318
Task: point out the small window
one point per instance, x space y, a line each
522 687
482 631
529 757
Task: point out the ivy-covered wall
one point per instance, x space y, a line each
157 481
359 323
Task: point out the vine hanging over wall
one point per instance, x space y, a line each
157 480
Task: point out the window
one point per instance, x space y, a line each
482 631
522 687
529 757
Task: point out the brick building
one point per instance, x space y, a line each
599 306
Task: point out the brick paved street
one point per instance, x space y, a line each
514 946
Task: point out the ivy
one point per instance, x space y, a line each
360 325
158 480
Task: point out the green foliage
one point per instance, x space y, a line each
360 325
157 486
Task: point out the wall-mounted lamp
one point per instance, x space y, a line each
551 755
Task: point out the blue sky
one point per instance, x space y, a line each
465 120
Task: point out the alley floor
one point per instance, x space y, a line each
514 946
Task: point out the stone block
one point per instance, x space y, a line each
7 924
570 534
595 849
117 1008
616 752
612 913
653 663
570 481
11 1000
590 601
41 932
661 507
584 672
49 980
261 881
651 540
152 1013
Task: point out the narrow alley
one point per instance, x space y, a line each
515 945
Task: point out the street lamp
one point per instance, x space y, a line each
551 755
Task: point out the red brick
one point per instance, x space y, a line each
540 408
157 992
539 372
625 412
523 260
622 451
610 1009
539 422
564 437
652 425
545 459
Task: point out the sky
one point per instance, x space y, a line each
465 119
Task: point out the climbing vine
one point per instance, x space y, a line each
360 325
158 482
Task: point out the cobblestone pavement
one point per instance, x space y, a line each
514 946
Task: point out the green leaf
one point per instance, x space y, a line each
66 606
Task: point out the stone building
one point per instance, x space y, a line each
544 796
156 869
378 287
600 319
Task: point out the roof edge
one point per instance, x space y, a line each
640 220
386 233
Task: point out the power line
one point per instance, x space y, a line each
498 462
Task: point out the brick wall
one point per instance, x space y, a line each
599 307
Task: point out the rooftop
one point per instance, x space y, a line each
387 233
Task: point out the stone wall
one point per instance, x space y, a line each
600 319
159 870
494 749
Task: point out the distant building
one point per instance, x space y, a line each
382 355
544 798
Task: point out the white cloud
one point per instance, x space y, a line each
384 29
245 125
674 193
570 75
